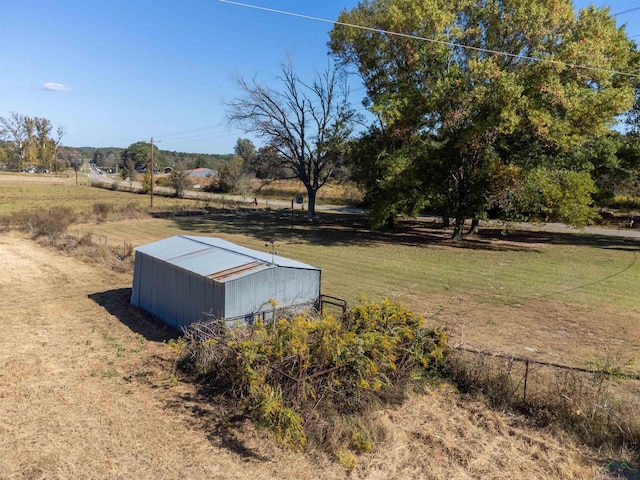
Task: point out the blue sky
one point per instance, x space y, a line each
114 72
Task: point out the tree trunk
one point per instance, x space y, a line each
391 221
475 226
311 204
457 229
446 221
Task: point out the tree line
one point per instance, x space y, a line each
29 143
492 107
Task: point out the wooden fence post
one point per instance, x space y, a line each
526 377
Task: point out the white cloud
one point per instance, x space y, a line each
56 87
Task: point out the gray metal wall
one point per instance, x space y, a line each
176 296
289 286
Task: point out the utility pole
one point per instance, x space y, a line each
152 167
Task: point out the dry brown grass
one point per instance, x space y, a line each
332 193
85 392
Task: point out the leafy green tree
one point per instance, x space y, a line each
17 130
267 164
137 157
76 165
624 174
557 195
308 124
246 149
383 165
233 177
179 180
127 168
201 162
30 141
44 144
4 156
148 182
452 115
138 154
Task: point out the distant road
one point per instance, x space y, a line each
562 228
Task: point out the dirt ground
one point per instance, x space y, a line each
86 391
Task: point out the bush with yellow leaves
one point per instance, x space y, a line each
294 371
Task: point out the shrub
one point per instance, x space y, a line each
179 181
624 202
284 373
361 438
147 182
102 210
52 222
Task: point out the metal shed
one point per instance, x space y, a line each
203 173
182 278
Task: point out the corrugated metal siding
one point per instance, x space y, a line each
135 288
172 247
289 286
170 280
265 257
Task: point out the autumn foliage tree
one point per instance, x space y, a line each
31 141
463 86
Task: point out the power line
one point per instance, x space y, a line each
188 138
187 132
433 40
625 11
217 134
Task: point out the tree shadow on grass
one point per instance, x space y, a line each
211 413
340 229
117 303
577 238
204 408
335 229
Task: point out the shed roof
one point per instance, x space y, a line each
215 258
203 173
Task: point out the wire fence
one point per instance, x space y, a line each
514 378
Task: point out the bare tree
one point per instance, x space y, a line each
308 124
60 132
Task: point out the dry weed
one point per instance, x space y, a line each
599 409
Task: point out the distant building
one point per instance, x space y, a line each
182 278
203 173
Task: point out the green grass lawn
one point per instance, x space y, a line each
567 297
576 268
561 297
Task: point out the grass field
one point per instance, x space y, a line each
86 392
571 298
563 297
567 297
27 192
